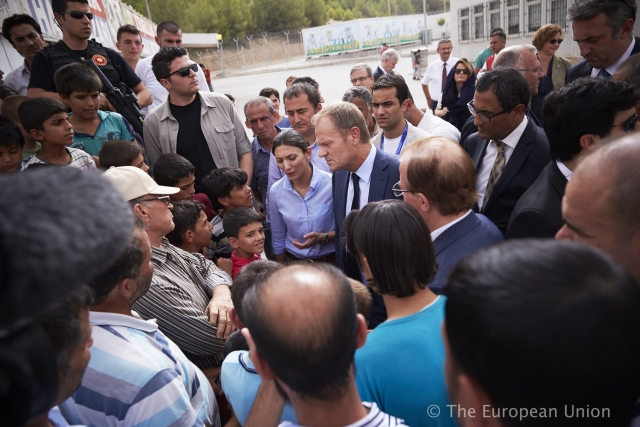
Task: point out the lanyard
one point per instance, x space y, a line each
404 136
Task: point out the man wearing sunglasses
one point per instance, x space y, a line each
168 33
202 127
604 33
509 150
74 19
576 118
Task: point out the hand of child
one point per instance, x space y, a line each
225 264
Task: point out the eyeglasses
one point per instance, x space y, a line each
165 199
535 70
397 191
185 71
461 71
359 79
628 125
483 116
76 14
554 41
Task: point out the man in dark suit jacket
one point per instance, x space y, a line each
388 62
576 117
509 150
438 178
362 174
610 23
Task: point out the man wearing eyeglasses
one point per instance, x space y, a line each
74 19
202 127
189 295
509 150
576 118
361 75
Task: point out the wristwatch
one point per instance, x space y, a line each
326 238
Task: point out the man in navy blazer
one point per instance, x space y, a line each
509 150
576 118
359 168
438 178
604 33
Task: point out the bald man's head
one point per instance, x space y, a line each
302 319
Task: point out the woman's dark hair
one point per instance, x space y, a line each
450 99
292 138
396 242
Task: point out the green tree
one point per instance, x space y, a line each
278 15
200 17
364 9
348 15
162 10
314 11
338 14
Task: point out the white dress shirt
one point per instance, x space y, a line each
564 169
433 76
364 173
18 79
436 126
438 231
611 69
158 92
490 155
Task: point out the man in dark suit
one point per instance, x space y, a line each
576 118
509 150
604 33
524 58
362 174
388 62
438 178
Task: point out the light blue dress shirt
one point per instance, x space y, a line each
292 216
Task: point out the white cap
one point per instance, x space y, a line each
133 182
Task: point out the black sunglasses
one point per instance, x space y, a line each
185 71
628 125
461 71
76 14
559 41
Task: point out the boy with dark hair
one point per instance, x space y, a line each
243 227
173 170
9 109
11 143
129 43
79 85
227 189
274 96
47 122
192 231
121 153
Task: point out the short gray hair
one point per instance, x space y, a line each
616 11
358 92
511 56
390 54
257 101
344 116
442 41
362 66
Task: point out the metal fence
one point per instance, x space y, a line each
251 51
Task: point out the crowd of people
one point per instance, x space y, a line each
358 262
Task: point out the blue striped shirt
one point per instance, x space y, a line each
138 377
375 418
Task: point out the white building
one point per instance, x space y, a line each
473 20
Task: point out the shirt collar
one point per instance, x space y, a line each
25 70
364 171
259 146
564 169
611 69
115 319
160 254
438 231
512 139
165 108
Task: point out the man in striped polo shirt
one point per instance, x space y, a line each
136 375
302 328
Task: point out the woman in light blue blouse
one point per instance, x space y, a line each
300 204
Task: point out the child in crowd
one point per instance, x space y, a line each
192 231
227 189
47 122
121 153
243 227
10 109
11 143
79 86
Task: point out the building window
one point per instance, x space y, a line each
534 15
513 17
464 24
478 22
494 15
558 13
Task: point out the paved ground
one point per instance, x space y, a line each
333 79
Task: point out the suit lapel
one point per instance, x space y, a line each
478 154
557 179
455 232
517 159
379 177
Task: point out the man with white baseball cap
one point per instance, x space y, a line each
189 295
